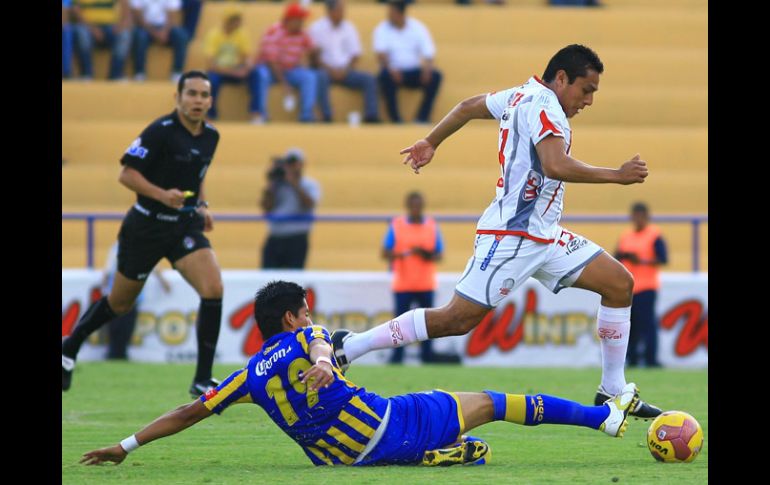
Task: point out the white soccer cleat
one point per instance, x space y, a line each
616 423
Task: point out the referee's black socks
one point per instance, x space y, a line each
207 327
97 315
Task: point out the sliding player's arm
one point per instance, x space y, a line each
321 374
421 153
560 166
170 423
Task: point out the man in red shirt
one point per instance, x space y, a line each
282 51
641 250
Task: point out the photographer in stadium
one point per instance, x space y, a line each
288 194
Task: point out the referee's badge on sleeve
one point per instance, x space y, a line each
136 149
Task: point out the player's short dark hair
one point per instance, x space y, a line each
414 195
331 4
575 60
190 75
272 302
640 207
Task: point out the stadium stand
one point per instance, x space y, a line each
653 99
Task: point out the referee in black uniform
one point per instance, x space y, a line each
166 166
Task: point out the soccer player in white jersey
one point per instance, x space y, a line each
519 235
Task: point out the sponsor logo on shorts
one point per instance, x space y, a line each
532 188
609 334
395 332
571 242
189 242
136 149
142 276
492 249
507 286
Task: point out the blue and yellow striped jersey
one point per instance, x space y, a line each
332 425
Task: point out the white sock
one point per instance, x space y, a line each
404 329
613 325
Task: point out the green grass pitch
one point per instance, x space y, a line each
109 401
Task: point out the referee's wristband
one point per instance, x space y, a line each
129 444
324 359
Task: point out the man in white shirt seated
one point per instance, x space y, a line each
405 51
339 49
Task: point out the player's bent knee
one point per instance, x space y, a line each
213 290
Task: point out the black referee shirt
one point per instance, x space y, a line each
169 156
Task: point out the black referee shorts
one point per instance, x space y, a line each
143 240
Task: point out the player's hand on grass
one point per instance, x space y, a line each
173 198
633 171
318 376
115 454
419 154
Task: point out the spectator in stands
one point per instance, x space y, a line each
413 245
339 49
102 23
282 51
191 13
66 39
120 330
642 251
405 51
158 21
288 193
227 56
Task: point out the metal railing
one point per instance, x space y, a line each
695 220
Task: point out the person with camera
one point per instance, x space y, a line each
288 201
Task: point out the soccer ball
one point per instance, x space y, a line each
675 436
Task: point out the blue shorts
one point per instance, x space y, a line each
418 422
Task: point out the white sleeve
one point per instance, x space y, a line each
380 39
497 101
172 5
312 188
312 31
545 118
427 47
355 40
137 4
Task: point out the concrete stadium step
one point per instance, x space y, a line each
614 105
483 27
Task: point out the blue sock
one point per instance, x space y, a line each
541 408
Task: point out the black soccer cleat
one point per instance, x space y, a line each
642 410
67 366
338 339
202 387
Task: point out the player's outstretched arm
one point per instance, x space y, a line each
560 166
170 423
421 152
134 180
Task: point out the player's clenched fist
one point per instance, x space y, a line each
633 171
419 154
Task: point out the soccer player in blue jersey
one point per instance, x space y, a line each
296 380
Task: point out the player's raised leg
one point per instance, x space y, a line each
118 302
457 317
201 270
610 279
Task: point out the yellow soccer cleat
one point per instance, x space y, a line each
616 423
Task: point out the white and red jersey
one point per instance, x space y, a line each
527 203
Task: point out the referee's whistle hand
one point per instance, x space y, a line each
173 198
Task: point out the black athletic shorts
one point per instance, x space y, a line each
144 240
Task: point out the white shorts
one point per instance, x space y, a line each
500 264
